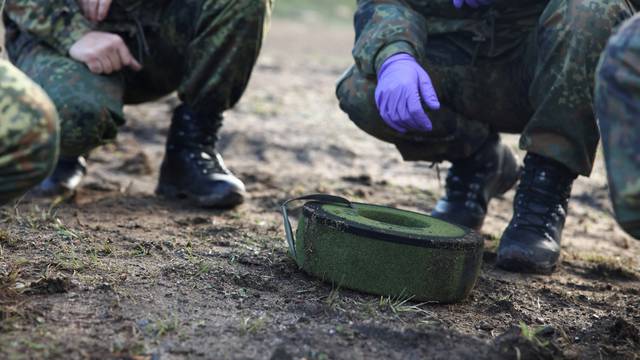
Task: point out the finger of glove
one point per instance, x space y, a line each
390 116
391 106
419 117
381 101
458 3
428 93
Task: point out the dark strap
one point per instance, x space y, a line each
329 199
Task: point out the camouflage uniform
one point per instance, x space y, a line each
518 66
204 49
618 109
29 136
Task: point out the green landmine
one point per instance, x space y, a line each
387 251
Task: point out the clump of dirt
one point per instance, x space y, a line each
48 285
139 164
615 271
622 331
528 343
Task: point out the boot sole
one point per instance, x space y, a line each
520 267
227 201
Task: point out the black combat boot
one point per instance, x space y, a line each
531 242
65 179
472 182
192 168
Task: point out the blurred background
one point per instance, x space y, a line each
335 10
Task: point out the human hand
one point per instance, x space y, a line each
95 10
403 86
472 3
103 53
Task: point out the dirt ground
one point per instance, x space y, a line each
119 273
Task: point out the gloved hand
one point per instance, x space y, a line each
403 85
473 3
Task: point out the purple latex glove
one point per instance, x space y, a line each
472 3
403 85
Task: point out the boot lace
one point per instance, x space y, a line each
467 182
537 208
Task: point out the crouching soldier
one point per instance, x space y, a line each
618 110
92 57
441 79
29 134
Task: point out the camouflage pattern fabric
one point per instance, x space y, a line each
519 67
204 49
618 110
29 134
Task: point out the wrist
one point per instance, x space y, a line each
393 49
393 60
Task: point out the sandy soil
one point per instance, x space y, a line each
120 273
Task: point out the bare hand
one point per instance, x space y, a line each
103 53
95 10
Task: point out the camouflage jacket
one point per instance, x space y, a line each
60 23
387 27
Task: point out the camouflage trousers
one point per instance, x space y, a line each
541 88
29 134
204 49
618 108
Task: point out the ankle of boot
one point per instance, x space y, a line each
533 160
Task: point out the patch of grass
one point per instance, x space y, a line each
63 231
7 239
205 267
36 218
400 304
141 250
166 326
333 298
8 279
67 259
250 326
611 267
531 334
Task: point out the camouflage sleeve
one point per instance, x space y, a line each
385 28
59 23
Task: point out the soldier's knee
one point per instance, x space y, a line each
591 20
355 94
84 126
42 139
